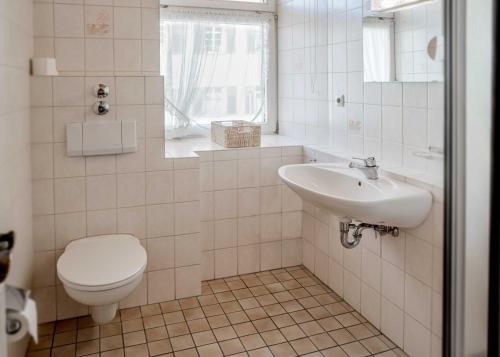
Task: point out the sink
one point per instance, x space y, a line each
348 193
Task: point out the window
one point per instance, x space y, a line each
217 65
212 38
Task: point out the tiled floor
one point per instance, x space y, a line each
285 312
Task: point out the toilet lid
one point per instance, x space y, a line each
101 260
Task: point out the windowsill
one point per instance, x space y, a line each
189 147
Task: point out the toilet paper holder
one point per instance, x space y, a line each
15 300
21 316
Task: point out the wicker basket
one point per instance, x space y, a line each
236 133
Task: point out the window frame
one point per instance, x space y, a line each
268 6
271 125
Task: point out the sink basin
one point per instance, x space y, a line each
348 193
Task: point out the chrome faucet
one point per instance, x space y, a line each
369 167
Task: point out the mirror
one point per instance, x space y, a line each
405 45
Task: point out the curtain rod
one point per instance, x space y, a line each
163 6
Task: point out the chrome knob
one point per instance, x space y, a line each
101 107
101 91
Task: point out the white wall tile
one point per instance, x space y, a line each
187 250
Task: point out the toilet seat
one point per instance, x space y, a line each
102 262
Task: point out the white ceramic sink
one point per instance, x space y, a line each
348 193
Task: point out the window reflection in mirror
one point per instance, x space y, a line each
404 46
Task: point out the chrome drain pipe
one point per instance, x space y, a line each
347 242
353 242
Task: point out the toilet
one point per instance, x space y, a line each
101 271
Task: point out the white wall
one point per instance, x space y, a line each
320 58
115 43
16 43
250 220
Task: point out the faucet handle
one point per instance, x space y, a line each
369 161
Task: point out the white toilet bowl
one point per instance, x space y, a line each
101 271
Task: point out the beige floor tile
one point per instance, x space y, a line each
319 312
111 343
113 353
255 314
311 328
374 345
87 347
283 320
218 321
156 333
291 306
203 338
178 329
191 352
360 331
89 333
283 350
212 350
159 347
137 351
134 338
273 337
64 338
64 351
252 342
224 333
342 336
274 309
212 310
182 342
130 314
194 313
334 352
244 329
330 323
198 325
40 353
242 293
355 349
249 303
170 306
261 352
336 308
111 329
66 325
150 310
322 341
46 328
301 316
237 317
173 317
292 332
230 306
303 346
132 325
189 303
263 325
207 300
43 343
225 296
231 347
153 321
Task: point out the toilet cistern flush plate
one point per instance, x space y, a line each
348 193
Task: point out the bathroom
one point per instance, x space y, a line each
248 178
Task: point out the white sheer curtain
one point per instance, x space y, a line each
378 50
215 65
